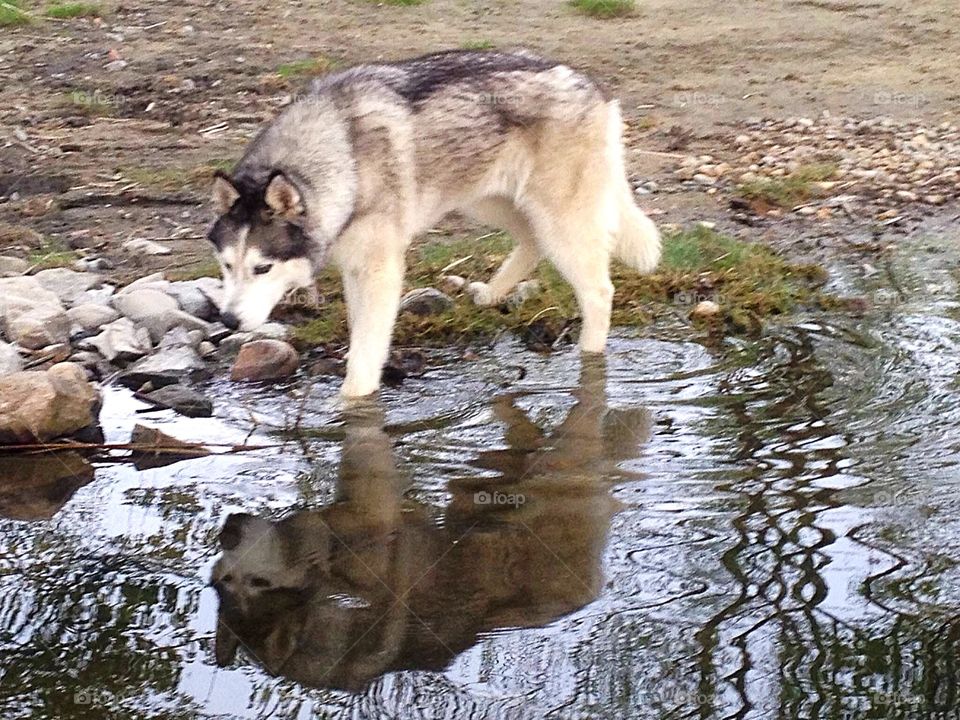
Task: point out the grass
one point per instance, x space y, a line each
307 67
478 45
208 267
794 189
11 14
51 254
605 8
747 280
173 179
65 11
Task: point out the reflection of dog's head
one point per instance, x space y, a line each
261 245
266 570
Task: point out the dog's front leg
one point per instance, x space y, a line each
372 285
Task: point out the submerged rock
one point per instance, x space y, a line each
40 406
158 449
36 487
265 360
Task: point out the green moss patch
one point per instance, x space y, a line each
13 14
748 281
605 8
66 11
307 67
794 189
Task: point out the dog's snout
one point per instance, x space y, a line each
230 320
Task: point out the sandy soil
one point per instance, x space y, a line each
110 125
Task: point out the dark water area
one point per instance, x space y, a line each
766 530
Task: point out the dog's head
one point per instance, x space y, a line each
261 244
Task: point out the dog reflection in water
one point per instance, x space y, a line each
374 583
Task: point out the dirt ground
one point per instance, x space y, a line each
110 126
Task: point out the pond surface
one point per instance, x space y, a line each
767 531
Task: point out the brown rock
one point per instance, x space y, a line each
265 360
40 406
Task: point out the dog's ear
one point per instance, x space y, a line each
224 192
283 198
232 531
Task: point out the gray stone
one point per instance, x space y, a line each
10 266
98 296
143 303
181 399
192 299
41 326
68 285
159 325
10 360
122 340
90 316
142 246
425 301
154 281
166 367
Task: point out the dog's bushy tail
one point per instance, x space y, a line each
637 240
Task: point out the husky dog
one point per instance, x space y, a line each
377 154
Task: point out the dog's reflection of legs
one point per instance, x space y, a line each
339 595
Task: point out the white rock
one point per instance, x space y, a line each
90 316
11 266
66 284
142 246
704 179
10 360
144 302
121 338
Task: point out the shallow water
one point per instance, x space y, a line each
770 531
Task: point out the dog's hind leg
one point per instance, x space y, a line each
578 245
523 259
372 283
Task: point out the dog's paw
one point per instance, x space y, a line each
482 294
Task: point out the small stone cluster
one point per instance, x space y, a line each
879 165
61 328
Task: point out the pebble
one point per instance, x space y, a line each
142 246
425 301
705 309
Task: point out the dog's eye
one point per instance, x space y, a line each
259 582
227 578
228 267
262 269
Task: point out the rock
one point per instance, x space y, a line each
98 296
182 336
705 309
91 317
142 246
31 315
265 360
271 331
10 360
425 301
41 326
522 292
67 285
167 367
206 349
121 340
39 406
232 343
11 266
155 281
181 399
452 284
906 195
192 299
934 199
212 288
159 325
143 302
703 179
36 487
